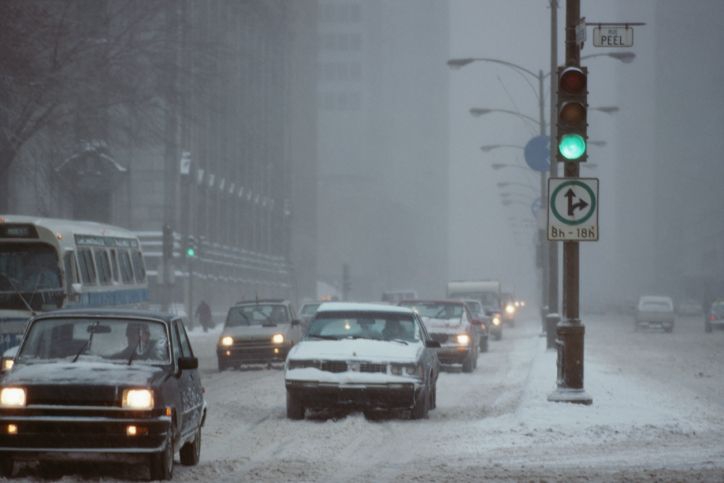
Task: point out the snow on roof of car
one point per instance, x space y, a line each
362 307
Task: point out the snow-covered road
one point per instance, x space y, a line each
657 415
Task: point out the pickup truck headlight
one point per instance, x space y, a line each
463 339
226 341
137 399
12 397
278 339
6 364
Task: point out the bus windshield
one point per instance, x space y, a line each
30 269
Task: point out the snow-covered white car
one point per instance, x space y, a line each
363 356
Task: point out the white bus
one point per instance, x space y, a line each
47 263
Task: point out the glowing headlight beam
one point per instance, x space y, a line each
137 399
12 397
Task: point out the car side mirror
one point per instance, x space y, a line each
185 363
432 344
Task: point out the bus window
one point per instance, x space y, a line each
87 269
125 263
114 265
138 267
104 266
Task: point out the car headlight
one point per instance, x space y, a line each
496 320
463 339
509 309
137 399
278 339
12 397
227 341
7 364
405 370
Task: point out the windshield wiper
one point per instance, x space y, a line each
325 337
88 342
135 348
17 292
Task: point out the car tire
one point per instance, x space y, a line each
422 405
433 397
222 365
707 327
191 452
161 464
295 409
7 465
468 363
484 344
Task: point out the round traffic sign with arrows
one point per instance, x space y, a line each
573 209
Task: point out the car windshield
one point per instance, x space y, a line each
437 310
257 314
375 326
655 305
100 339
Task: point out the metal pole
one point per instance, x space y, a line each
553 246
544 244
570 331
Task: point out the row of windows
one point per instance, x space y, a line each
340 101
340 12
340 42
105 266
339 71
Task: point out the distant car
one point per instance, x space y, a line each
655 311
715 317
496 321
507 303
258 331
118 385
369 357
450 323
481 319
689 307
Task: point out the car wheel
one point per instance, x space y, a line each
222 365
433 397
422 405
295 409
161 465
191 452
707 327
484 345
6 466
468 363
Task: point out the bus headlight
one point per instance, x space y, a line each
278 339
137 399
12 397
463 339
227 341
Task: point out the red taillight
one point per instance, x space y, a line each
712 317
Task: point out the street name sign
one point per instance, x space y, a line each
613 36
573 209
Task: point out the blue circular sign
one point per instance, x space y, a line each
537 153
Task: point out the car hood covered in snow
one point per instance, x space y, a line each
367 350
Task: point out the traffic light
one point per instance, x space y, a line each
572 113
190 249
167 242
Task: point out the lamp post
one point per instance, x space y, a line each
549 262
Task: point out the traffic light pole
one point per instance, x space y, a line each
570 330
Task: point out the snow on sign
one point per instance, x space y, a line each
613 36
573 209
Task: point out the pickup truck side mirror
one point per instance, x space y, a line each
185 363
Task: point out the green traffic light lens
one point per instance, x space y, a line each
572 146
190 252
